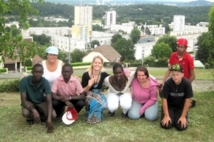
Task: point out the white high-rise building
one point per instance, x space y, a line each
83 15
179 23
82 27
110 18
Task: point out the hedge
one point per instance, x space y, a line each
80 64
10 86
3 70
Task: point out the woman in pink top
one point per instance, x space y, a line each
144 94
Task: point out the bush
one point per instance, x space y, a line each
80 64
27 62
161 62
135 64
150 61
10 86
3 70
207 65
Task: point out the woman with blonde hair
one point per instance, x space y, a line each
92 82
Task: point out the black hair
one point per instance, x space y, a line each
117 65
36 66
143 69
67 65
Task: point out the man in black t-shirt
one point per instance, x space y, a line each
176 98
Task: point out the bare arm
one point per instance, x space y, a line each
166 75
27 104
165 107
192 75
186 107
55 97
78 97
49 102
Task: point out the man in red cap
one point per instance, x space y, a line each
183 58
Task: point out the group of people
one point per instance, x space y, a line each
51 87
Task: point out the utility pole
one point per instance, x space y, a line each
69 46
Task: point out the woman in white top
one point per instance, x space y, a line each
52 66
119 91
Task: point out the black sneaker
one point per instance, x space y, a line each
193 103
124 115
111 113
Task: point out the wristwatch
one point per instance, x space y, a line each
70 98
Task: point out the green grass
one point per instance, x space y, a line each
201 74
112 129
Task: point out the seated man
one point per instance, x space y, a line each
67 91
36 98
176 97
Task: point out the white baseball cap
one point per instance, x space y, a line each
69 116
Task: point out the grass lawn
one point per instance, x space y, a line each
201 74
112 129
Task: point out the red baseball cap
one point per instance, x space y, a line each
182 41
69 116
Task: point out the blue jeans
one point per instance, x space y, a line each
151 113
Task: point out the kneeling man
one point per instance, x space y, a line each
36 100
176 98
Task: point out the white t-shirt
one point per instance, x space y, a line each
51 76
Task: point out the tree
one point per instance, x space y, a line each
14 46
161 50
135 35
115 38
147 31
95 42
77 55
97 28
211 32
170 40
203 44
41 39
125 48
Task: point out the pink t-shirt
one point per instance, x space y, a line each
61 88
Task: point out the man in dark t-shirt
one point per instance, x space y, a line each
176 98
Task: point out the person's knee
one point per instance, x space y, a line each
166 126
133 114
26 113
151 116
179 127
81 103
126 104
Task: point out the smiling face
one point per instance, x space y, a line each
97 64
141 77
52 57
118 73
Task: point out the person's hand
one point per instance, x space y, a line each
36 116
166 120
64 98
49 126
183 122
69 104
91 82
